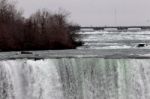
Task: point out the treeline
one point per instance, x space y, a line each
41 31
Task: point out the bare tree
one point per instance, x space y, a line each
10 25
43 30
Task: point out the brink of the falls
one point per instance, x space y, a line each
75 78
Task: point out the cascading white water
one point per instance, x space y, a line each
28 79
75 78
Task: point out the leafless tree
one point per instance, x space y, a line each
43 30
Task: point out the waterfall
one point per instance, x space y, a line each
75 78
28 79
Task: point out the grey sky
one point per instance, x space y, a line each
96 12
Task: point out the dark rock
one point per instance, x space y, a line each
26 52
141 45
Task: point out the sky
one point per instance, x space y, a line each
95 12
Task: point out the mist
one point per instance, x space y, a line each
95 12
